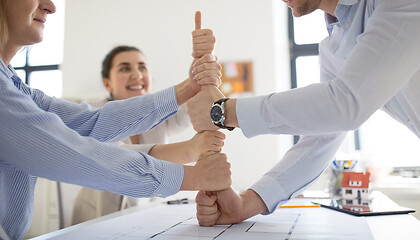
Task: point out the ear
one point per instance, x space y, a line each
107 86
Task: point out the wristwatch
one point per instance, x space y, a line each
217 114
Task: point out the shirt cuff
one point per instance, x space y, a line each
250 116
173 175
165 103
270 192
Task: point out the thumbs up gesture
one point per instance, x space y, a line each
203 39
205 69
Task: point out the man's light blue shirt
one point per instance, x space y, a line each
370 61
48 137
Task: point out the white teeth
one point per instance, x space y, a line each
136 87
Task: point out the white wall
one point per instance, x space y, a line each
246 30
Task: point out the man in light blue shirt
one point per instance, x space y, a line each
369 61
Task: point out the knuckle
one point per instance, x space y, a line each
208 57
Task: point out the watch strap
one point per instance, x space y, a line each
224 127
220 125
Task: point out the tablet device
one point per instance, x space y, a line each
358 207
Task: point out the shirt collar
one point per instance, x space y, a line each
8 70
340 13
347 2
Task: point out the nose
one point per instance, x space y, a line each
138 75
48 6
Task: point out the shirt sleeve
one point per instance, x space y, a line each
41 144
299 168
116 120
382 62
145 148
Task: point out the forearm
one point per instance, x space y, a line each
174 152
252 204
190 179
307 159
184 92
230 113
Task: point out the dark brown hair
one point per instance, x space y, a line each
107 62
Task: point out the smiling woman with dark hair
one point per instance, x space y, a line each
126 74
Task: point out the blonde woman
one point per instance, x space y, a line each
55 139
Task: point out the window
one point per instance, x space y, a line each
38 65
355 183
388 143
305 33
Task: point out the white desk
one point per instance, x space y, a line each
378 227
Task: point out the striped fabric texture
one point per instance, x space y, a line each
41 136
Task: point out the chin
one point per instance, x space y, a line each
35 40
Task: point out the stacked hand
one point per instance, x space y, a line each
227 207
199 108
205 143
203 39
204 70
212 171
221 207
217 203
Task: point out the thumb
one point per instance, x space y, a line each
197 20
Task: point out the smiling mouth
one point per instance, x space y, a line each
40 20
139 87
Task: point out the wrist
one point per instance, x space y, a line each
231 119
190 179
191 152
183 92
252 204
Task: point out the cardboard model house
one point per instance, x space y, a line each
355 185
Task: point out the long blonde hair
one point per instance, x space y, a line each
3 23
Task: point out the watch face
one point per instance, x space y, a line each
216 113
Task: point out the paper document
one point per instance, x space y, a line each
169 222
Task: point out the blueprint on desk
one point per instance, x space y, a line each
169 222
